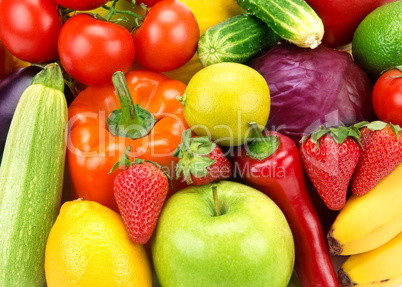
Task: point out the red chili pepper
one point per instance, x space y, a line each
271 163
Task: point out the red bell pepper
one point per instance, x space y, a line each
271 163
150 121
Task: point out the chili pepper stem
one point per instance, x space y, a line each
215 195
261 147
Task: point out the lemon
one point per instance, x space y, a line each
208 13
89 246
220 100
377 41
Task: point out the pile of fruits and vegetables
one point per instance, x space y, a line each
200 143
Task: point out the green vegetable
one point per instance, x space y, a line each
31 179
293 20
237 39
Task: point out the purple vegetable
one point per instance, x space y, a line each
313 87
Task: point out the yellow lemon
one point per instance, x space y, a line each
220 101
89 246
208 13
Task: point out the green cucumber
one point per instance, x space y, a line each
31 179
237 39
293 20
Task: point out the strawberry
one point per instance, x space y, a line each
329 157
382 153
140 192
201 160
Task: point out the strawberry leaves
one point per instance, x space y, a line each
201 160
192 152
339 134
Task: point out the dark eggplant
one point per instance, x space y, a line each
11 89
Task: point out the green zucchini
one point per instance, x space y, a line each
236 39
293 20
31 179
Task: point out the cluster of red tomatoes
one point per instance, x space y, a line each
90 47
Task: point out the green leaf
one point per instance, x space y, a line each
199 166
361 125
396 129
340 134
124 160
186 138
376 126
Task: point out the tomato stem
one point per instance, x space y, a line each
112 11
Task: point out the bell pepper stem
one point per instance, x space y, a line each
129 114
130 121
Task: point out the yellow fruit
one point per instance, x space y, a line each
221 99
369 221
208 13
379 267
377 41
89 246
211 12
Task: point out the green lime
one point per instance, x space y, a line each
220 100
377 41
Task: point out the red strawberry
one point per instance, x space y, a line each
201 160
329 158
140 192
382 153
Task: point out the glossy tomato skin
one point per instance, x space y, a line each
29 29
91 50
387 97
341 17
167 38
81 5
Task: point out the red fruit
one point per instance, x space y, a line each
201 160
329 158
382 153
140 193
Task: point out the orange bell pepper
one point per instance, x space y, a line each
93 149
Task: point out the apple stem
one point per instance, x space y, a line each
215 194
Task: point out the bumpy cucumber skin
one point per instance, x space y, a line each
31 182
293 20
236 39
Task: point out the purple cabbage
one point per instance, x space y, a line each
313 87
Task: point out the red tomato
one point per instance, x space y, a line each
81 5
167 38
29 29
387 97
341 17
91 50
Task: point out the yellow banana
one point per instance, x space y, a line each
369 221
379 267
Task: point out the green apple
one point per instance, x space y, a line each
248 242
